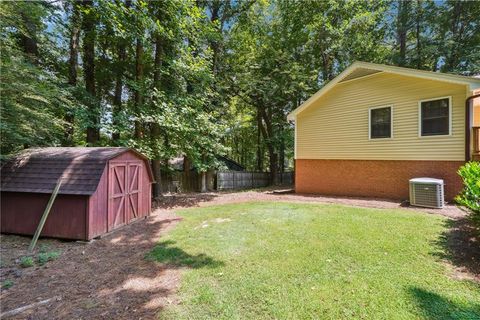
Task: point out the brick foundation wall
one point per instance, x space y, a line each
372 178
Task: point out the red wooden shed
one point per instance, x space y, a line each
102 189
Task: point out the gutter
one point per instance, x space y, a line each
467 125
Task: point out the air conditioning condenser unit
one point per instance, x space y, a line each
427 192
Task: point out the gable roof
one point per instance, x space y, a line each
38 169
361 69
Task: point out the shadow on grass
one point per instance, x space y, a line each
434 306
461 246
168 254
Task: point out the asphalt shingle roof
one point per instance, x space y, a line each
38 169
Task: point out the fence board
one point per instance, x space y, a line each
228 180
246 180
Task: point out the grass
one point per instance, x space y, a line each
7 284
26 262
44 257
304 261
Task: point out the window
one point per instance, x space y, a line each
381 122
435 117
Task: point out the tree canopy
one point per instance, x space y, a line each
208 77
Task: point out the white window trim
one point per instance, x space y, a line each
449 117
370 122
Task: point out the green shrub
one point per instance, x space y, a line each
7 284
470 195
43 248
44 257
26 262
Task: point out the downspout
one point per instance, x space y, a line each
467 126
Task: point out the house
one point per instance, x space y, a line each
102 189
374 127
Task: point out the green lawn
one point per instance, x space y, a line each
304 261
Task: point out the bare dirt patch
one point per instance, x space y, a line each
110 277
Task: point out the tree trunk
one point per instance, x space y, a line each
214 44
28 39
456 30
156 170
117 97
155 130
89 70
282 160
259 141
156 161
72 69
204 182
138 92
267 132
418 34
273 165
327 73
402 29
186 174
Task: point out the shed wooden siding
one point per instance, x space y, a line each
66 218
336 126
80 211
146 192
97 208
98 202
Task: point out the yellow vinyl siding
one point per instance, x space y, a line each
336 126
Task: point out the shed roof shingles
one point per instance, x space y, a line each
38 169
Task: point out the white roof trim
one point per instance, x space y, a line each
473 83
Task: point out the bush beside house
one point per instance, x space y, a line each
470 195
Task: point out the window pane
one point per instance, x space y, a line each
380 123
435 117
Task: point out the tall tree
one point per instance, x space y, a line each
403 26
138 94
204 78
155 128
121 59
74 39
459 33
89 38
33 97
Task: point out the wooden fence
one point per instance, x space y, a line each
246 180
178 182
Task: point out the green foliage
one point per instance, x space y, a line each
458 36
212 77
26 262
7 284
30 99
44 257
470 195
33 98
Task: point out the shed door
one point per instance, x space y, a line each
117 195
124 192
134 190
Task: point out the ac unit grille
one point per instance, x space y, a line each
426 194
